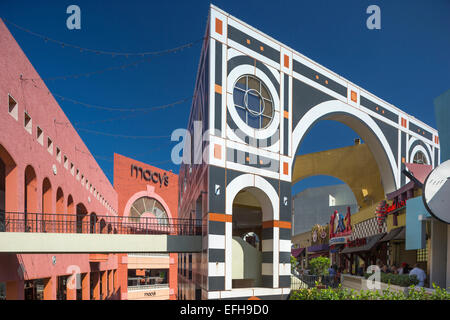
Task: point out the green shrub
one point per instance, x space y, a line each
340 293
402 280
319 266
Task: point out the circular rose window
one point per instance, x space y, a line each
253 102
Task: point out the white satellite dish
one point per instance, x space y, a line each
436 192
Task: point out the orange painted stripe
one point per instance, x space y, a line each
286 114
218 89
220 217
285 224
277 224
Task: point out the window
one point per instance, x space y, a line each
13 110
253 102
27 123
58 154
40 136
72 169
149 207
49 145
66 162
420 158
331 201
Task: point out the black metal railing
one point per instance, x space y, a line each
304 281
95 224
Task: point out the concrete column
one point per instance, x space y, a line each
438 256
110 283
50 288
104 276
95 276
15 290
85 286
71 287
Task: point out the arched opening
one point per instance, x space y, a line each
82 226
252 257
148 215
355 154
70 217
103 226
8 187
47 206
93 223
420 158
60 221
30 199
378 136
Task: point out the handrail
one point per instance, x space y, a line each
96 224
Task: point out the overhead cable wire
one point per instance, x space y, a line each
110 53
119 108
88 74
119 135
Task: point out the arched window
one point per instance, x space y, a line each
146 207
420 158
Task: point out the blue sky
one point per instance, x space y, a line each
405 63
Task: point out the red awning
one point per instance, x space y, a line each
297 252
420 171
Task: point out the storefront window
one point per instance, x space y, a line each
147 278
34 289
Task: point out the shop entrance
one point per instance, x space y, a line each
34 289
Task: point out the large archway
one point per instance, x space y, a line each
260 216
364 125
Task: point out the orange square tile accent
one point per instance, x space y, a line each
317 77
217 151
353 96
286 114
219 26
326 81
248 41
218 89
403 160
247 159
261 48
286 61
285 168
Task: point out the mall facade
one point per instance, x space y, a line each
51 183
255 99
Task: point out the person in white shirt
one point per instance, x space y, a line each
420 274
